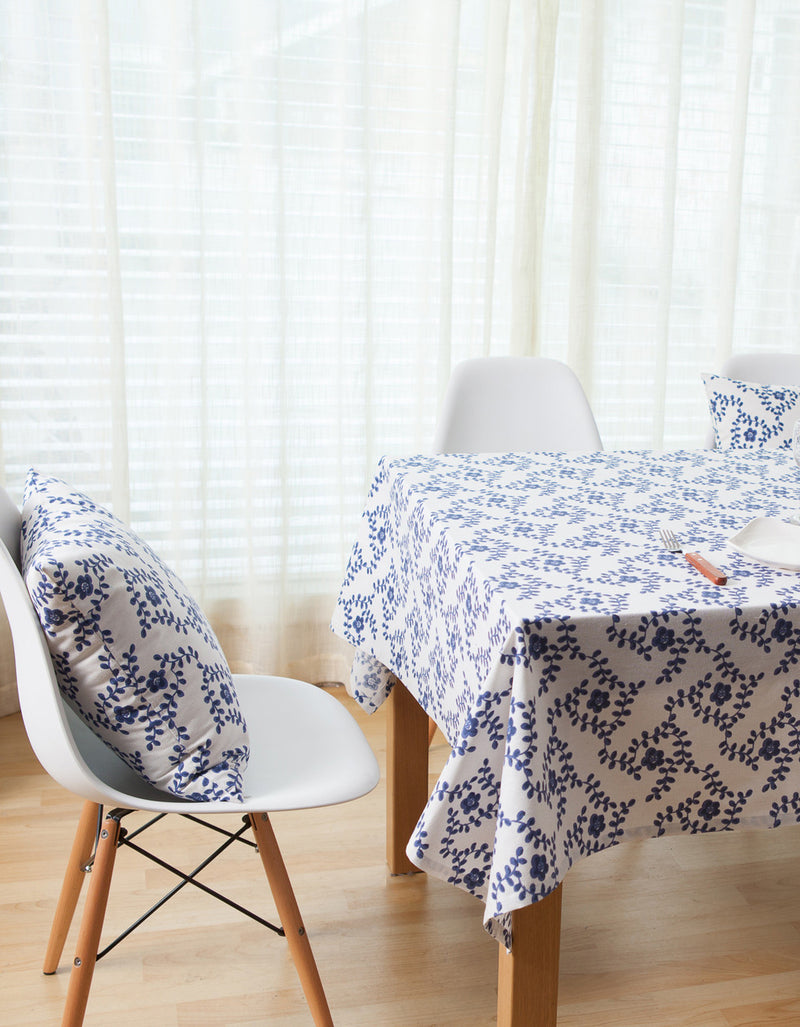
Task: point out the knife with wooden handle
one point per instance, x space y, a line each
707 569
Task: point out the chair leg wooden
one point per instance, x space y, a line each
292 923
79 856
80 978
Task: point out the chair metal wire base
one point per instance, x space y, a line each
126 839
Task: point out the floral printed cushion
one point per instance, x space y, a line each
134 655
750 416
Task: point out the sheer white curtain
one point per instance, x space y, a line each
243 244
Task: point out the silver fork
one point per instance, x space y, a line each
708 570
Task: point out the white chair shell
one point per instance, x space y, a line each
515 404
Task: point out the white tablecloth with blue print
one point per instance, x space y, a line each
593 686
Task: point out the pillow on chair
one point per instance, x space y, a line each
134 655
749 416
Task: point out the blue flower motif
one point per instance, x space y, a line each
597 823
598 700
721 693
709 809
470 728
83 586
157 681
782 630
653 758
124 714
53 617
470 802
474 879
770 747
538 867
663 638
537 646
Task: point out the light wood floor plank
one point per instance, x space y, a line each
678 932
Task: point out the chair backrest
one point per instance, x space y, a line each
507 404
762 369
69 752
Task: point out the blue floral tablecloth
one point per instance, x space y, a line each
593 686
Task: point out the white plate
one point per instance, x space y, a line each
770 541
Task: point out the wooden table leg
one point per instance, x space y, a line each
527 977
406 774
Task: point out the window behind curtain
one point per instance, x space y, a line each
241 246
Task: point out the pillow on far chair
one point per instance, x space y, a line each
134 655
750 416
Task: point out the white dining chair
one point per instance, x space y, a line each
505 404
306 750
761 369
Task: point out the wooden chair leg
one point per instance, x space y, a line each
80 978
291 920
79 856
431 729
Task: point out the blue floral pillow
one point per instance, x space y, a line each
134 655
749 416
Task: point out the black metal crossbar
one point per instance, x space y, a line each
126 839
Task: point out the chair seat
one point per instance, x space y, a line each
306 750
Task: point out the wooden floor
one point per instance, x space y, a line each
696 932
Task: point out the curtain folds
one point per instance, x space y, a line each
242 246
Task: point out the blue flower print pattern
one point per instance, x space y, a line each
751 416
593 687
134 655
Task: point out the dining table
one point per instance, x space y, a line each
593 686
